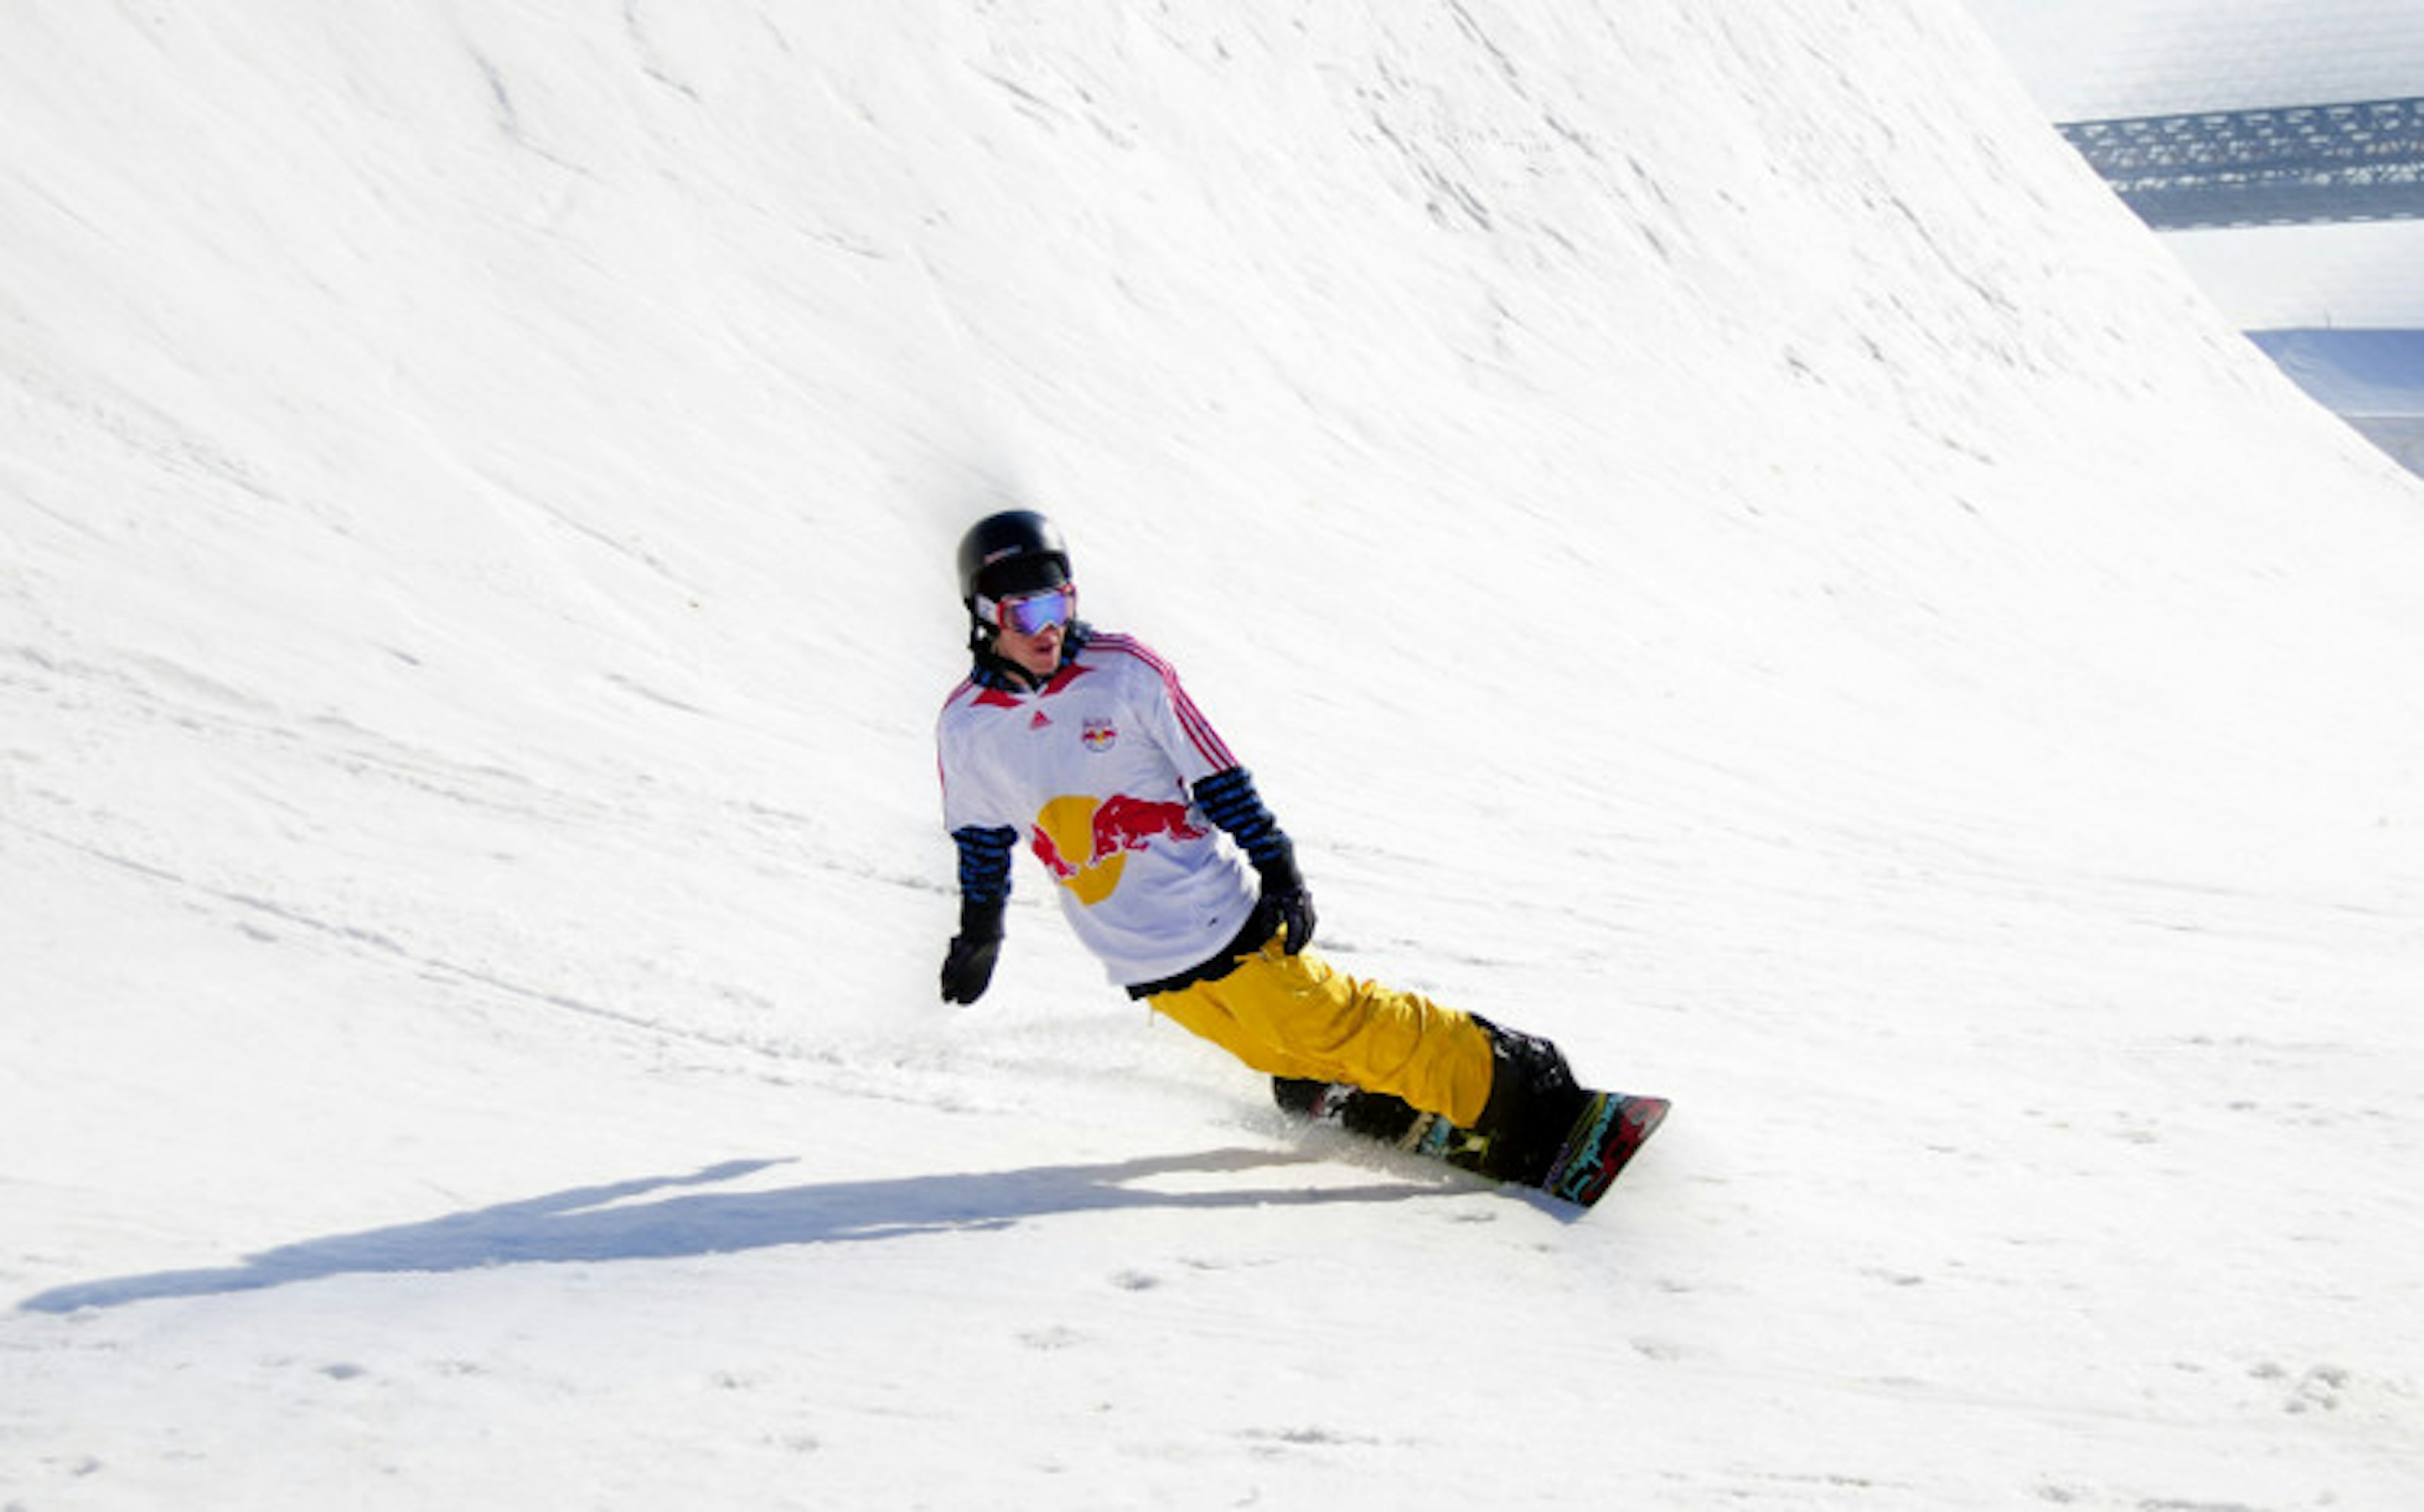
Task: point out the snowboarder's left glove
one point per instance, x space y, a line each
968 969
1286 902
1228 798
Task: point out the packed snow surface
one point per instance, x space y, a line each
1723 544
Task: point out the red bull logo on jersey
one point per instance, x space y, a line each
1085 841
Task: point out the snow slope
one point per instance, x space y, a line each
1723 544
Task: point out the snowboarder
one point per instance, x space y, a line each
1082 744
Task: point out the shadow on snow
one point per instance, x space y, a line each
610 1222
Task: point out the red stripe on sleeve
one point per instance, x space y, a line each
1200 733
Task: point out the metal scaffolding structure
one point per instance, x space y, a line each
2297 164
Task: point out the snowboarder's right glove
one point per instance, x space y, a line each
968 969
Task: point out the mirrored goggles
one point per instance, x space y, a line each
1033 614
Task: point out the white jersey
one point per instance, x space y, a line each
1094 771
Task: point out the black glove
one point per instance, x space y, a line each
968 969
1284 900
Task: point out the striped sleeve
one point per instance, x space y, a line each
1229 799
984 863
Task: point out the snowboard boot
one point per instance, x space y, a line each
1376 1116
1540 1128
1534 1103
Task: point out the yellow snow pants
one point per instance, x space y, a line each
1295 1015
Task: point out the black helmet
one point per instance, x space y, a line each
1015 551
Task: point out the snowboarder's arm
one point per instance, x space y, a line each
1229 799
984 863
984 895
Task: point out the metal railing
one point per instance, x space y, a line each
2293 164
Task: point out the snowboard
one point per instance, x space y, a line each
1610 1128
